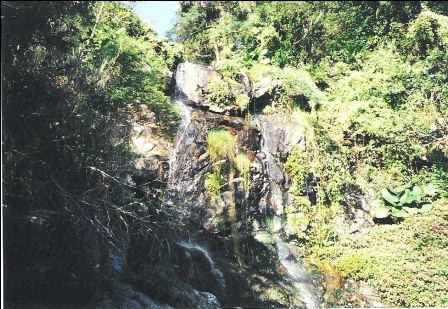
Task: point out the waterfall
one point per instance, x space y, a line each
188 164
275 191
185 122
297 275
183 138
175 186
214 270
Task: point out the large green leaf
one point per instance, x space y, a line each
398 213
379 210
430 189
411 211
389 197
426 207
418 193
407 197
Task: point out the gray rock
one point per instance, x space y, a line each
191 79
125 296
282 133
191 84
263 86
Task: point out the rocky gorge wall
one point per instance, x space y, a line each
267 141
218 259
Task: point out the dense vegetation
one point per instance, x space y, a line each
369 80
73 75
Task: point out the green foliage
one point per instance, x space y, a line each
218 91
242 101
409 202
72 74
381 123
213 183
289 33
415 252
427 31
221 145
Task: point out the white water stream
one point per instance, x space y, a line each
214 270
297 275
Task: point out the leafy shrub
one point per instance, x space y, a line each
408 202
218 91
242 101
426 32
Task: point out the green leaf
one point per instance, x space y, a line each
430 189
398 213
379 210
411 211
417 192
407 197
389 197
426 207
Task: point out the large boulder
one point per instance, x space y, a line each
263 87
191 80
191 87
282 133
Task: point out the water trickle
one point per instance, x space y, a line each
186 120
297 275
214 270
181 139
274 173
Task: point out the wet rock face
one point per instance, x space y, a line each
267 145
198 268
191 163
280 133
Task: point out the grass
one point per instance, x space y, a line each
406 263
221 145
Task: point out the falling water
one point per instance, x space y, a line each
186 120
182 134
214 270
275 191
297 275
